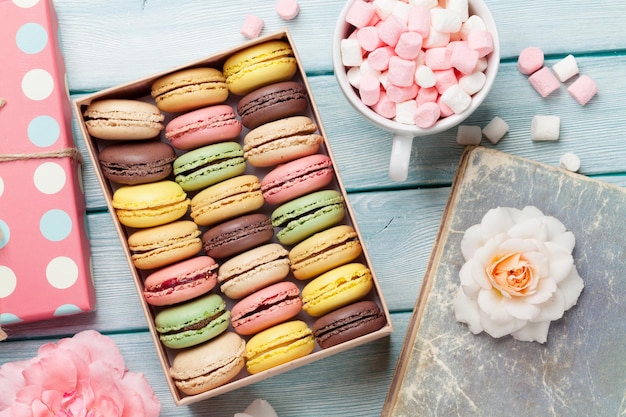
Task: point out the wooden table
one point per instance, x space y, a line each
107 43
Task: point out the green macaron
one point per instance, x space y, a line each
306 215
208 165
193 322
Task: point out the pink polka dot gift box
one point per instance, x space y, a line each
44 250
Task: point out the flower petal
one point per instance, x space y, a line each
544 290
466 311
491 303
533 332
554 308
571 287
499 328
52 372
142 397
471 240
520 309
11 381
560 262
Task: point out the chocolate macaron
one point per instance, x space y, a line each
133 163
347 323
237 235
272 102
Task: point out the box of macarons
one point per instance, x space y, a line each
238 232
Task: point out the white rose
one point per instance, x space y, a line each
519 274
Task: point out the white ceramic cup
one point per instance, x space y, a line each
403 134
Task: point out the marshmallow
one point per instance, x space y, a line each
544 82
481 65
390 29
385 107
384 8
287 9
379 58
368 38
473 83
252 27
401 10
405 112
474 22
424 77
565 68
545 128
445 20
468 135
409 45
353 74
435 39
481 41
425 3
461 7
445 79
369 89
444 109
360 13
583 89
570 162
457 99
426 95
401 71
427 115
400 94
438 58
419 20
463 58
530 60
495 130
351 55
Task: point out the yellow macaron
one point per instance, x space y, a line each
336 288
258 66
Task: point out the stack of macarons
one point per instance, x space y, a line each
233 216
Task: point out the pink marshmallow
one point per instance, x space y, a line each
369 89
401 71
444 108
427 115
426 95
419 20
583 89
390 29
379 58
530 60
409 45
445 79
481 41
438 58
463 58
287 9
252 27
385 107
544 82
368 38
400 94
360 13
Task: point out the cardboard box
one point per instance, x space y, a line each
45 266
141 90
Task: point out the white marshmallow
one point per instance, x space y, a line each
495 130
468 135
472 22
436 38
545 128
425 77
445 20
405 112
351 54
457 99
459 6
481 65
565 68
354 76
401 10
384 8
473 83
428 3
570 162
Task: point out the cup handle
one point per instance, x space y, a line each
400 156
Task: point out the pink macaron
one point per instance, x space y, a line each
265 308
203 127
297 178
180 282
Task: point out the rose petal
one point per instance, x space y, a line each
479 277
99 348
496 221
472 239
533 229
500 328
491 303
554 308
53 371
136 383
571 288
520 309
560 262
466 311
11 381
544 290
533 332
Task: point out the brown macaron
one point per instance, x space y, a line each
134 163
237 235
272 102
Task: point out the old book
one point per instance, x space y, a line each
445 370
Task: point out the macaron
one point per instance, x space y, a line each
281 141
252 270
265 308
149 205
272 102
307 215
227 199
139 162
189 89
203 126
159 246
209 365
181 282
208 165
192 322
297 178
324 251
348 323
278 345
121 119
336 288
259 65
237 235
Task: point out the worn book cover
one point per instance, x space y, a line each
445 370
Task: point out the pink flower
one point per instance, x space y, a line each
82 376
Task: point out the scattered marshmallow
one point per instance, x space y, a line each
351 55
427 115
570 162
287 9
457 99
583 89
468 135
544 82
252 26
258 408
530 60
360 13
545 128
495 130
565 68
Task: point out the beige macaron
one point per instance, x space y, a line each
120 119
